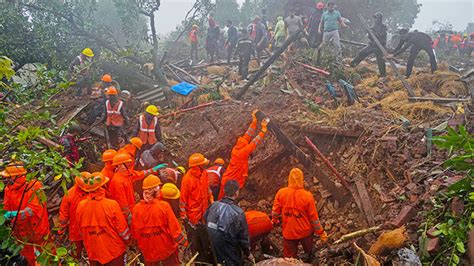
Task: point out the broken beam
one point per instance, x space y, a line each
320 71
267 64
438 100
365 201
186 110
341 194
323 130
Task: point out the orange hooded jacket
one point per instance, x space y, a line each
67 212
195 195
121 189
259 224
32 225
239 161
103 227
297 208
108 170
156 230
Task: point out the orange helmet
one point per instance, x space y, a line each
108 155
14 169
137 142
151 181
95 181
121 158
82 180
197 159
111 91
219 161
107 78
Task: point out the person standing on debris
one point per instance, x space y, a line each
258 34
212 38
380 31
121 185
232 39
148 127
294 25
193 39
115 117
296 207
280 33
239 161
417 41
79 70
67 213
155 227
102 225
195 199
215 173
24 210
315 37
228 229
245 50
69 142
329 27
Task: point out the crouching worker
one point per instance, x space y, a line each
227 228
260 226
155 227
296 207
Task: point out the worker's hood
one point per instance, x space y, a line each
241 143
16 182
195 171
280 18
296 179
99 194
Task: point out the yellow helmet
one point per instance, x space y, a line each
88 52
170 191
152 109
181 169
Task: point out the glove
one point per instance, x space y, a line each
158 167
254 115
324 237
10 215
264 125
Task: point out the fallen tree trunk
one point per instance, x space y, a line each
340 194
267 64
130 75
359 233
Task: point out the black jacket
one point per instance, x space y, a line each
416 40
380 31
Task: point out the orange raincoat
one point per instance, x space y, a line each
103 227
108 170
297 208
121 189
195 195
156 230
239 161
32 225
67 212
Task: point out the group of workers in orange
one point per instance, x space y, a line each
99 213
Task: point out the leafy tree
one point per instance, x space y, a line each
249 9
227 10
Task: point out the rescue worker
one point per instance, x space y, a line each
106 81
148 127
260 226
103 227
67 213
244 50
440 44
108 158
27 215
463 47
417 41
296 207
79 70
215 173
232 39
315 37
156 228
115 117
132 148
293 25
69 143
329 27
380 31
239 161
280 33
153 156
171 194
121 185
227 228
195 199
193 39
171 175
258 34
212 39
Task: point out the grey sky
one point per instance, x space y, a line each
458 12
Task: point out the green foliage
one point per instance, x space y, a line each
452 228
227 10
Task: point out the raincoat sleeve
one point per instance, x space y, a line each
276 210
139 175
183 200
64 209
314 217
117 190
120 224
174 227
34 206
253 144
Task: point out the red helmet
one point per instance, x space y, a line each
320 5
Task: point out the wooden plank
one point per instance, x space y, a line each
69 116
365 200
148 93
438 100
323 130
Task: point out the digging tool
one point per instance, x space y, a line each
267 64
354 43
390 60
350 91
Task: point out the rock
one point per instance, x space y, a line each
431 231
407 213
457 206
433 245
410 186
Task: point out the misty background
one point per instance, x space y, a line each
458 12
